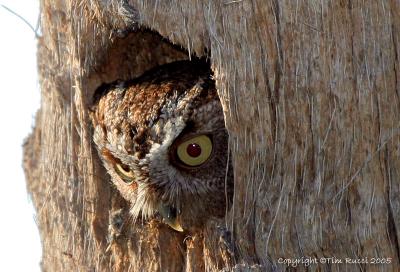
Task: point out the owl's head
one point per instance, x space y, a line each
162 139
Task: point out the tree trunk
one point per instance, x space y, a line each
311 97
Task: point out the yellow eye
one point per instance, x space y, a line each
124 172
195 151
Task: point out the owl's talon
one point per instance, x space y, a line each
170 216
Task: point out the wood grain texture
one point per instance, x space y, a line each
311 96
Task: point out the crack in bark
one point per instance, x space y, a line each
396 58
264 67
392 228
278 61
391 224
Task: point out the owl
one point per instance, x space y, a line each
163 141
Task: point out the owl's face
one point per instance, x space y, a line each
162 138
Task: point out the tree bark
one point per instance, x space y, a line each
311 97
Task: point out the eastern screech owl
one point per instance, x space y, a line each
162 139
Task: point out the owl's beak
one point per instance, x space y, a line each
170 216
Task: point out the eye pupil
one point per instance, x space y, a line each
193 150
